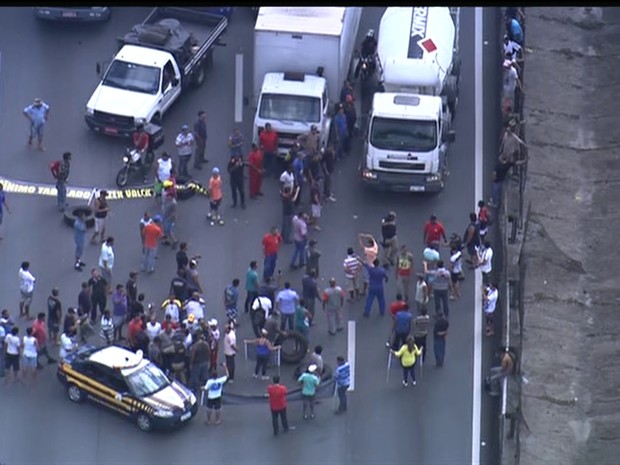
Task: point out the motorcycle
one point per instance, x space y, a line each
134 164
368 67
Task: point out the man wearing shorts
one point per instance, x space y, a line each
352 268
37 114
26 289
101 213
12 347
213 389
215 188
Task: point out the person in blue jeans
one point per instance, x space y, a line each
376 278
300 238
342 377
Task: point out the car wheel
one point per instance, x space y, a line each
71 214
75 393
144 422
294 347
184 192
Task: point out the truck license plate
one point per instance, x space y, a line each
69 14
416 188
111 130
186 416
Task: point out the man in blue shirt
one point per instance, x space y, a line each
286 302
37 114
401 327
342 132
376 277
342 377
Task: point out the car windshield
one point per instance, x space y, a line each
129 76
290 108
147 380
403 134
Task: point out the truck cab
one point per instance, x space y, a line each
139 84
406 147
292 102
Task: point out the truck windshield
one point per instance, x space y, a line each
290 108
403 134
129 76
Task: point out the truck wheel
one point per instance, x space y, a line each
451 90
199 77
209 64
71 214
456 65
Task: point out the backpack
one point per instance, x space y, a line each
55 168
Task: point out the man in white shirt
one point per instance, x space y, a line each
230 349
106 261
489 302
485 261
185 146
12 348
26 289
67 343
287 178
261 309
213 388
153 327
194 307
172 307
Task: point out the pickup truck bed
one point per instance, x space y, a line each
195 29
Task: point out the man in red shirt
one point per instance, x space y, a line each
271 247
133 328
277 403
434 232
140 139
268 143
397 305
39 331
151 234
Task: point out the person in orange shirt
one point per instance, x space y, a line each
215 188
151 234
255 161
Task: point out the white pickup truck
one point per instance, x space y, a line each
161 57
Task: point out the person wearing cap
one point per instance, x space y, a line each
309 382
235 143
215 199
213 336
163 170
434 231
101 213
264 347
151 234
185 146
310 141
37 113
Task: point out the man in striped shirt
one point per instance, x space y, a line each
352 267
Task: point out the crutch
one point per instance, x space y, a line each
389 365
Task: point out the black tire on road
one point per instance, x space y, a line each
123 176
294 347
71 214
75 394
183 191
451 90
144 422
199 77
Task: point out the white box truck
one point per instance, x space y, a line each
410 121
302 55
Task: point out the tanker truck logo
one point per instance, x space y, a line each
417 39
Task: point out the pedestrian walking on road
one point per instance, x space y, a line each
235 143
404 270
37 113
333 301
371 250
268 143
376 277
264 347
434 232
200 138
342 378
164 168
79 238
489 303
312 257
286 303
277 404
271 246
401 327
54 315
408 354
442 286
231 299
422 294
484 219
151 235
471 239
310 292
62 177
101 210
309 382
352 269
421 325
456 270
119 302
255 163
98 293
230 349
252 284
328 163
39 331
106 260
300 238
30 352
485 262
3 204
302 318
185 146
169 214
12 351
390 239
26 289
440 332
235 170
288 196
213 387
215 187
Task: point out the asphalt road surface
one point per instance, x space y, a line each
430 424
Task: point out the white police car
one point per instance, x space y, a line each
127 383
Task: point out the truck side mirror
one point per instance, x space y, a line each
450 136
174 82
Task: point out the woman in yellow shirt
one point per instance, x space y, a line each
408 354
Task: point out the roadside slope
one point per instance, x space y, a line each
572 289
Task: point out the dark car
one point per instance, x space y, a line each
127 383
72 13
